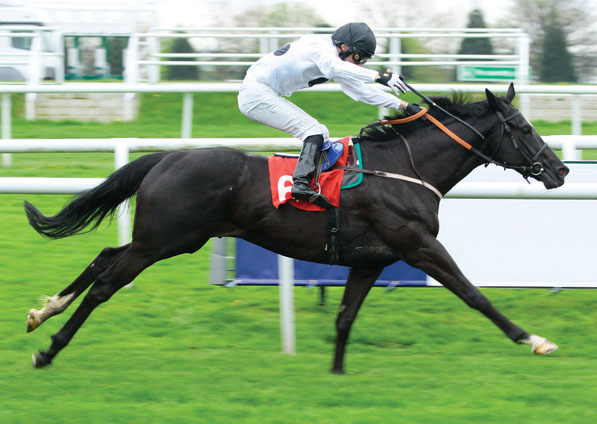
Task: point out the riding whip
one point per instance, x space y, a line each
432 103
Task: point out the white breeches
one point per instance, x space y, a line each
260 103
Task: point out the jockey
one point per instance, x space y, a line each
310 60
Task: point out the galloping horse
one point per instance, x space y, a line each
186 197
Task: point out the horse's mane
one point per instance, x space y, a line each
459 104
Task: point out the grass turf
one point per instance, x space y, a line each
174 349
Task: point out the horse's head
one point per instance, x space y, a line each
516 144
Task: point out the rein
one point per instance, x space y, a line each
535 168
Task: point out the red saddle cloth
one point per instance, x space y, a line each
280 177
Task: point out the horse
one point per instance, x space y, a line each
185 197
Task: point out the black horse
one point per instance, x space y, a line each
186 197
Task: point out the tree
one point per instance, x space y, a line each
417 14
556 61
182 72
575 20
292 14
476 45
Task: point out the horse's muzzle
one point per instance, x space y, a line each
555 179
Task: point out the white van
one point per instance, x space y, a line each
30 48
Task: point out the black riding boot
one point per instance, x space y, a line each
305 170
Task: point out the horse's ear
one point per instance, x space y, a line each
511 93
493 103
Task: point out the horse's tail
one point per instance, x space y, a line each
92 206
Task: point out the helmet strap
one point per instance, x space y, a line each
344 53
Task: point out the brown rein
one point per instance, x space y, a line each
438 124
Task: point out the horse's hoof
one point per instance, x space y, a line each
33 320
40 360
545 348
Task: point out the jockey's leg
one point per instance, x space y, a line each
305 169
260 103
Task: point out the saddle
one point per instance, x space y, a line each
328 177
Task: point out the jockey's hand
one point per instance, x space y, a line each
392 80
412 108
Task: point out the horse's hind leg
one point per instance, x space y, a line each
433 259
358 284
58 303
122 270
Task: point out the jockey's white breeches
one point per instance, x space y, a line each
260 103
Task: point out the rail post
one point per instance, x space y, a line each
121 158
6 127
286 276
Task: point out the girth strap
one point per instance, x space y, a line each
333 218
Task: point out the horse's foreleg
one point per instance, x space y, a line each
358 284
121 272
58 303
433 259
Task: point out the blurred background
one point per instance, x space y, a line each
562 33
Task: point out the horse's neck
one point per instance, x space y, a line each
447 166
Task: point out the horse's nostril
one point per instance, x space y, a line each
564 171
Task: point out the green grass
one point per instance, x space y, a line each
214 115
217 115
174 349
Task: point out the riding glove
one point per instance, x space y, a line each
412 108
392 80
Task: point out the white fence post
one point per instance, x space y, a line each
218 264
286 276
34 77
6 123
121 158
187 115
576 115
523 71
395 52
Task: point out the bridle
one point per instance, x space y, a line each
532 166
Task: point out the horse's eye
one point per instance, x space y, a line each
527 130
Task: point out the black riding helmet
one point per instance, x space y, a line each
359 37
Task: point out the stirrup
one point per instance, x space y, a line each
319 199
